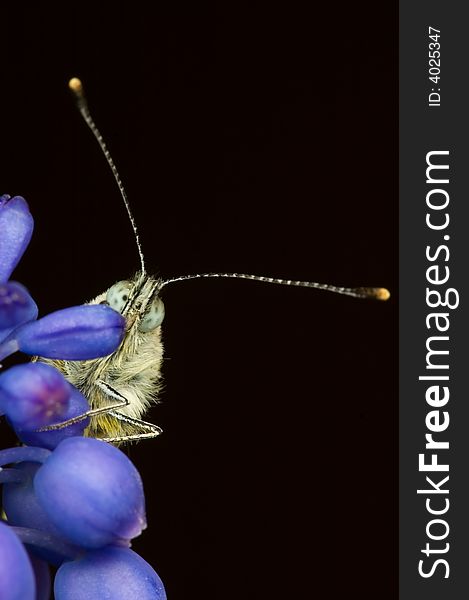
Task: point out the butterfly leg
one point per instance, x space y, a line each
148 430
109 391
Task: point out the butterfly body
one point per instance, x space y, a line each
133 371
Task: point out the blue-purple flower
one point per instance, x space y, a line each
33 395
79 506
16 226
117 573
77 406
76 333
73 502
16 572
16 307
85 491
92 493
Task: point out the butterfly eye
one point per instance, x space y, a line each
118 294
154 316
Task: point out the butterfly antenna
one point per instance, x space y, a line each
76 87
374 293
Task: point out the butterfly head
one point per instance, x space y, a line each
138 301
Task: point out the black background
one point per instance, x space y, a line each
253 141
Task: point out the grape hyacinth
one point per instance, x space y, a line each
70 501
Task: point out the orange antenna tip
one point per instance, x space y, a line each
382 294
75 85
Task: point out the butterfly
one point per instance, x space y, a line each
121 387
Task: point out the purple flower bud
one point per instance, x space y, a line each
117 573
75 333
33 395
16 229
23 509
16 307
19 500
92 493
78 405
16 572
20 503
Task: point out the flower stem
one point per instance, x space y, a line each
46 541
12 476
23 454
